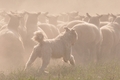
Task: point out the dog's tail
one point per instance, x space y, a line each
38 37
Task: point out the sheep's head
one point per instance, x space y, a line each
94 19
71 34
32 18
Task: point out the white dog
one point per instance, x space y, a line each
59 47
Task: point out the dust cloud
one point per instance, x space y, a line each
57 6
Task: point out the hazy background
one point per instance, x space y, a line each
57 6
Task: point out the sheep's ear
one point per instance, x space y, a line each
61 14
108 14
97 14
38 13
67 29
88 15
47 16
10 15
23 14
26 12
114 16
100 16
19 16
77 12
56 16
46 13
68 13
12 12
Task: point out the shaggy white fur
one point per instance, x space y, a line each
59 47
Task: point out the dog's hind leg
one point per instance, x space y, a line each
31 59
45 61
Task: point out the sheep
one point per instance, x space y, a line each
11 46
50 30
88 43
53 19
94 19
111 38
43 17
31 26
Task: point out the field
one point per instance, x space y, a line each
109 71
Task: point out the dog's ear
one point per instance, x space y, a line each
67 29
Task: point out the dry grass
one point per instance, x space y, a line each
109 71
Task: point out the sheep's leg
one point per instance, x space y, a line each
66 56
84 53
69 57
31 59
98 52
93 54
105 52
